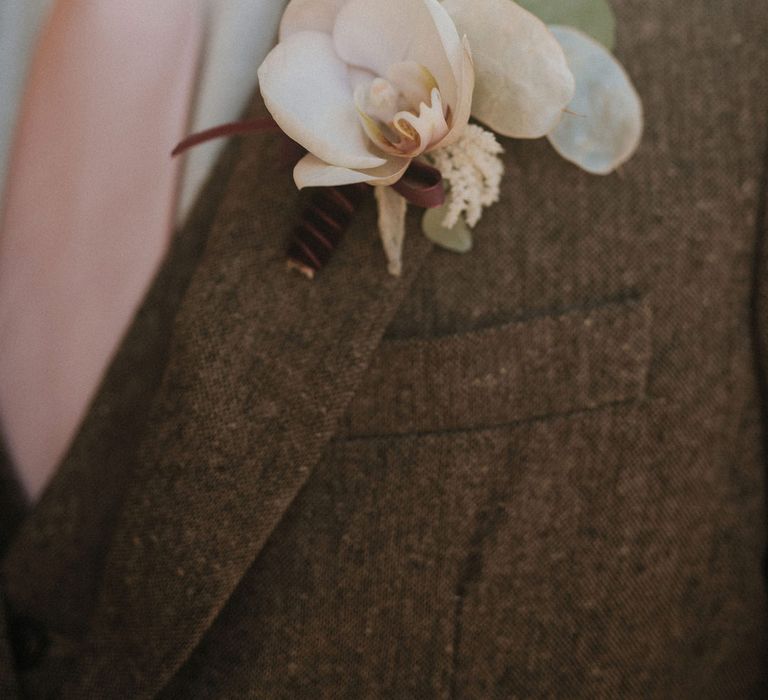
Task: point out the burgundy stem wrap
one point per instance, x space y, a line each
255 126
422 185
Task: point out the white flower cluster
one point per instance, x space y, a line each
473 168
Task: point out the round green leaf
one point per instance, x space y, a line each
604 123
593 17
457 239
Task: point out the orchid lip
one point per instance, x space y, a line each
397 125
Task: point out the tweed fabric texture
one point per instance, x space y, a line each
576 360
53 568
8 683
533 471
251 394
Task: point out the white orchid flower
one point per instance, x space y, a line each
367 85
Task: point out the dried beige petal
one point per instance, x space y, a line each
392 210
604 122
522 80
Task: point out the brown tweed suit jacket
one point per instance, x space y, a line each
535 471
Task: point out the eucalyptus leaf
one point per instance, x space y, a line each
593 17
457 239
603 125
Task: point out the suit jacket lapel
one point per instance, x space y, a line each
54 563
13 505
262 365
12 509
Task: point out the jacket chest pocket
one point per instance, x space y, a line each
579 359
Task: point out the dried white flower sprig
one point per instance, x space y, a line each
473 169
380 92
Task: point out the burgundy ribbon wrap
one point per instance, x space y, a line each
322 226
422 185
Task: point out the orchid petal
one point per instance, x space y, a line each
310 171
522 80
414 81
360 76
604 122
465 89
309 15
306 87
391 28
422 130
379 134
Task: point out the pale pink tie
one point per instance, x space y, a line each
89 208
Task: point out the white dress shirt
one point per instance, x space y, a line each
239 36
20 21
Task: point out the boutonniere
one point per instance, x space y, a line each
407 97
